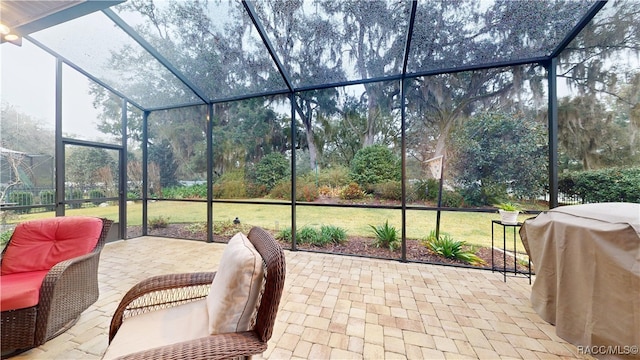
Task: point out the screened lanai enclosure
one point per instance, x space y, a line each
325 122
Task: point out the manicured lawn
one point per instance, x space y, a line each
474 228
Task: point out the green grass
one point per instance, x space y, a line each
473 228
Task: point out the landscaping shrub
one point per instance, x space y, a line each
96 194
335 176
158 222
284 235
452 199
304 191
309 235
425 189
133 195
449 248
48 197
5 236
74 194
197 191
22 198
390 190
255 190
232 189
374 164
604 185
271 169
333 234
351 192
197 228
386 236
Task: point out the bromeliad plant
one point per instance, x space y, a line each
386 236
446 246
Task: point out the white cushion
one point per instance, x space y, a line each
160 327
235 288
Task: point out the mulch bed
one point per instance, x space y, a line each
360 246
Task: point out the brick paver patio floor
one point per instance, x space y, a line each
339 307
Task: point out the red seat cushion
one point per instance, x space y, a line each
22 290
40 244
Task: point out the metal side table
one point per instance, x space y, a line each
505 229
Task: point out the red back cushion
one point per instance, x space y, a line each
40 244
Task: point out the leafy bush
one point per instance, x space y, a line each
228 228
133 195
304 191
449 248
197 191
386 236
255 190
452 199
604 185
334 176
48 197
5 236
425 190
22 198
96 194
232 189
284 235
351 192
159 222
496 154
75 194
390 190
333 234
308 235
271 169
197 228
373 165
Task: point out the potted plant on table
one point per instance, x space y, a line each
508 213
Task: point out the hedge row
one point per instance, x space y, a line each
605 185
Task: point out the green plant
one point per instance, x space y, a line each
48 197
333 234
425 190
197 228
305 191
22 198
231 189
390 190
228 228
75 194
508 206
604 185
351 192
449 248
271 169
309 235
96 194
284 235
386 236
5 236
374 164
158 222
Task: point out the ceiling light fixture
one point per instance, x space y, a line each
4 29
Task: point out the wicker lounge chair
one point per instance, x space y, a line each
51 252
167 293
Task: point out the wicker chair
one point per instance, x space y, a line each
166 291
68 288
